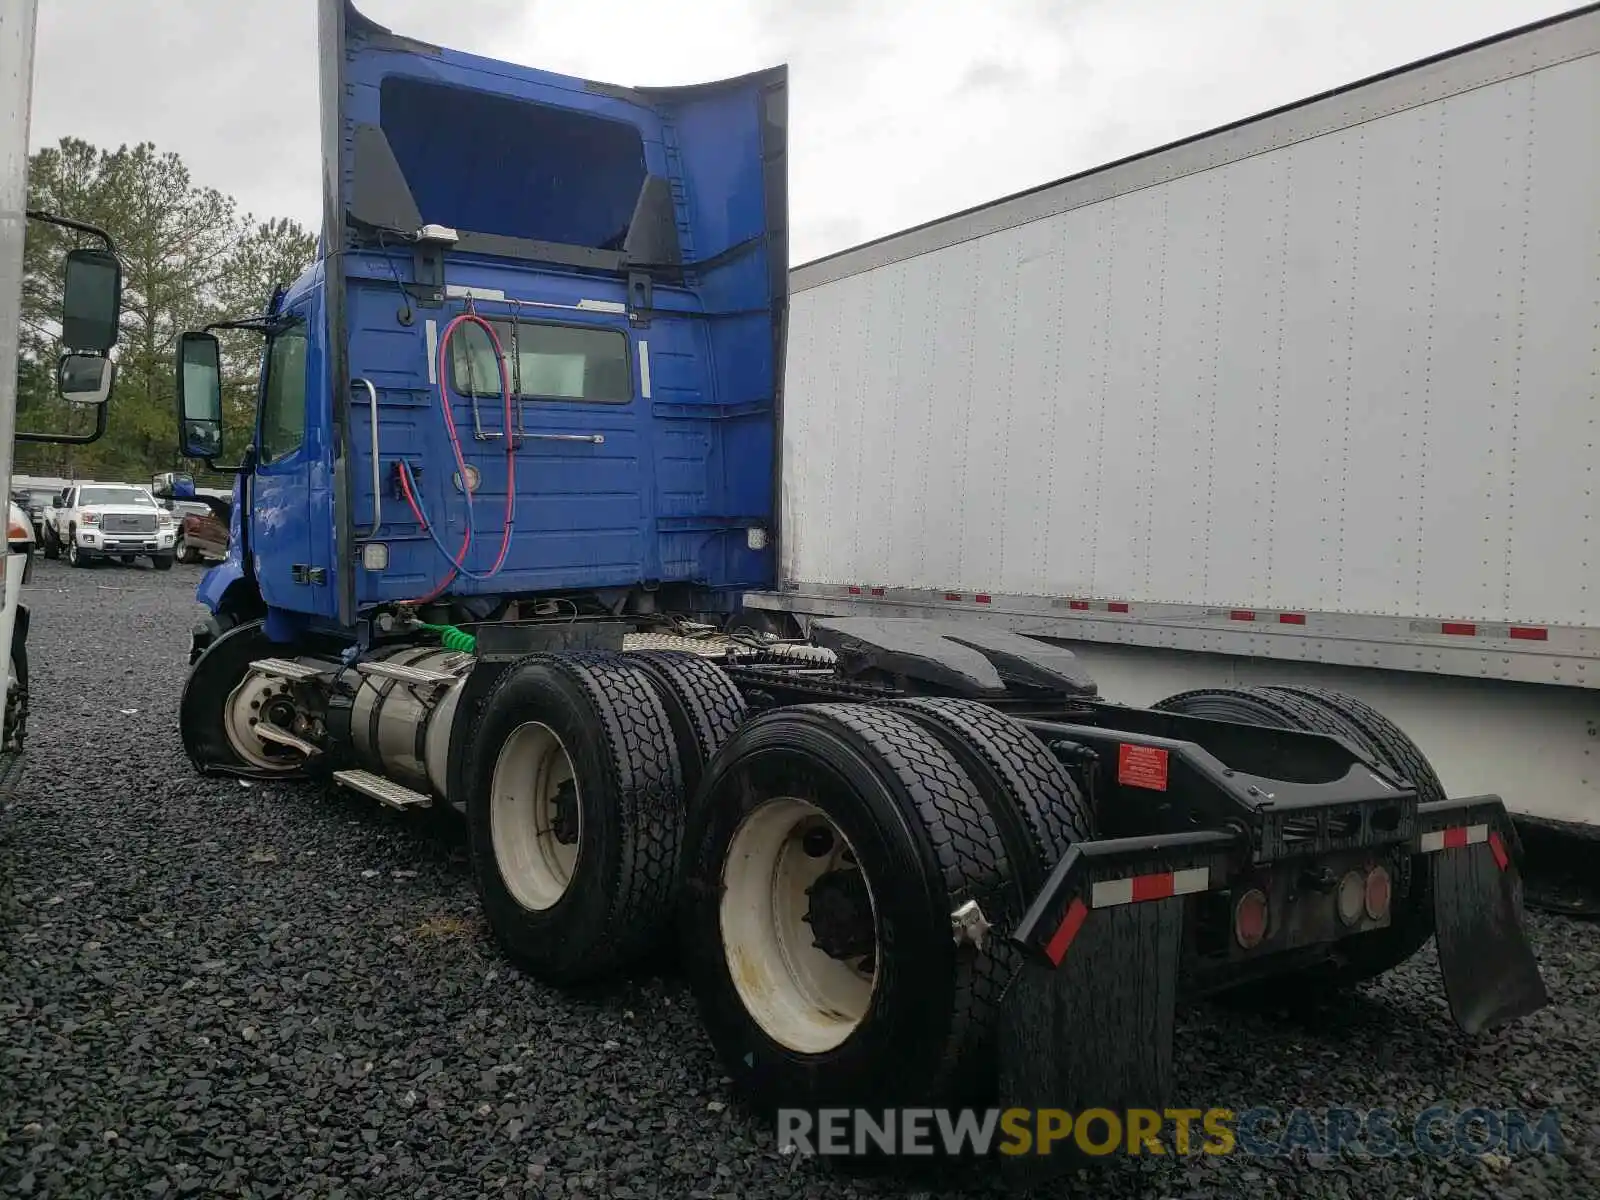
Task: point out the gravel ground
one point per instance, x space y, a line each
208 988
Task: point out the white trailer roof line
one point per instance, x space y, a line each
1544 43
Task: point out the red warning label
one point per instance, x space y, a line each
1142 767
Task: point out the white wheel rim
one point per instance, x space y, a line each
536 866
803 998
243 709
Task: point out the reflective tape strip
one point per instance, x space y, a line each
1498 849
1056 949
1110 892
1454 838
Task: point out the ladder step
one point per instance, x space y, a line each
269 732
395 795
405 674
284 668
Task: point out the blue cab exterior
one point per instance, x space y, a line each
673 488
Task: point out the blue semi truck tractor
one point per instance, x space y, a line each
514 461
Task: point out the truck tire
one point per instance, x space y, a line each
1412 924
52 547
161 562
867 998
703 706
75 556
204 709
578 881
16 711
1319 710
183 552
1038 808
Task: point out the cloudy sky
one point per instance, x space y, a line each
899 112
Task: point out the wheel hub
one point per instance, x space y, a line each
840 914
564 825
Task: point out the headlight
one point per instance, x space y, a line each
89 518
164 520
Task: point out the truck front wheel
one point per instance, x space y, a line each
575 816
75 556
831 848
222 696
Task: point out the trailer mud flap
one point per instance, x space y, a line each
1490 974
1087 1023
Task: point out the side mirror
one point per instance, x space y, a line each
199 396
85 378
55 501
91 300
173 485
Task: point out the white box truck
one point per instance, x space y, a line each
91 297
1308 399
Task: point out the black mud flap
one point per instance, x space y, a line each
1490 975
1095 1032
1087 1023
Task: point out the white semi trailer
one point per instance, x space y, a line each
1309 399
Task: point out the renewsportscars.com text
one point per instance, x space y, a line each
1380 1133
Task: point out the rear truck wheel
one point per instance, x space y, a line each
575 815
52 547
1038 808
223 700
161 562
703 706
1320 710
839 867
16 711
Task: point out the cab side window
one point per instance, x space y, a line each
283 400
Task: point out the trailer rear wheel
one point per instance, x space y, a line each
1320 710
1037 806
853 825
703 706
575 815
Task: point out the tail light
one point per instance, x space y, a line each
18 532
1352 897
88 518
1250 918
1378 893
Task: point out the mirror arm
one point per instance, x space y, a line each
241 468
71 439
35 214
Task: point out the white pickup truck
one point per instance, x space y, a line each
90 521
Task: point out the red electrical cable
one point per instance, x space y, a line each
458 563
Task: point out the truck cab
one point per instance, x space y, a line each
537 361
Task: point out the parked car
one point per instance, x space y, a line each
20 538
109 520
36 503
202 533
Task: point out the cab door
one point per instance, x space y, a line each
280 513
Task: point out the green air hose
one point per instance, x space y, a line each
452 638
